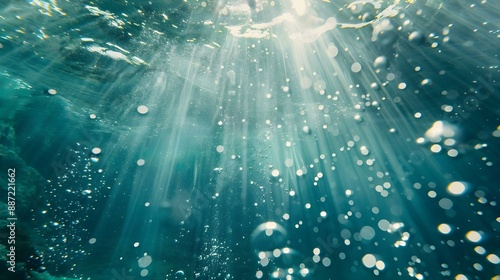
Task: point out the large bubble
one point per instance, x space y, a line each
269 236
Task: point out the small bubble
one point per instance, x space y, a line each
449 142
480 250
305 83
180 275
136 244
96 151
306 130
436 148
319 85
86 192
492 258
141 162
220 149
275 173
473 236
332 51
92 240
380 265
367 233
496 133
52 91
145 261
416 37
356 67
426 82
380 62
457 188
369 260
444 228
92 116
142 109
231 75
447 108
445 203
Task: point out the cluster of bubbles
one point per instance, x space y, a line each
276 259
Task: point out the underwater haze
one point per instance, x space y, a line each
249 139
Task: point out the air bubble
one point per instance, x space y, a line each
275 173
145 261
180 275
305 83
231 75
457 188
332 51
306 130
380 62
369 260
142 109
269 236
444 228
416 37
367 233
473 236
492 258
356 67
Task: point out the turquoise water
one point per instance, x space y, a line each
255 139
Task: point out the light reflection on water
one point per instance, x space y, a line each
254 139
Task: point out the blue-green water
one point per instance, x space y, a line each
260 139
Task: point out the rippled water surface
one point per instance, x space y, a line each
251 139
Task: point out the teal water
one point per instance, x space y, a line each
256 139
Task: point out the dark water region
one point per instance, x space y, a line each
256 139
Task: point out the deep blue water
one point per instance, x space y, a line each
251 139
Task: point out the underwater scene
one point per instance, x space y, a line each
249 139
